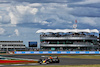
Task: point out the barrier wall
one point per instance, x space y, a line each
57 52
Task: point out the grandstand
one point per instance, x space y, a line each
68 39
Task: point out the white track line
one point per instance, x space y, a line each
33 64
21 64
17 64
19 58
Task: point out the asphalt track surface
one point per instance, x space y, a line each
63 61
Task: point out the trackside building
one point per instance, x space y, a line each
68 39
11 45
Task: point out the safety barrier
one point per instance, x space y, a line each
57 52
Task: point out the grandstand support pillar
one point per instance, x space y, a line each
93 47
0 46
7 48
14 47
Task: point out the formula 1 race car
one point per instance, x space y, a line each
49 60
44 61
54 59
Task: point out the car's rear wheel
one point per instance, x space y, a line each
57 61
50 60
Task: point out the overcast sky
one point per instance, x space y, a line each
20 19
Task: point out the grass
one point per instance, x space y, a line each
81 56
97 65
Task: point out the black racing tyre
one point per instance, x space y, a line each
50 61
40 61
57 61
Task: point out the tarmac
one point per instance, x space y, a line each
63 61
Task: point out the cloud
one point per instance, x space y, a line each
85 12
13 18
4 1
50 15
42 1
7 25
25 17
26 9
88 2
22 14
38 14
16 32
34 4
45 15
2 31
13 32
90 5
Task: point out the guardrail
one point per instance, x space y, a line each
57 52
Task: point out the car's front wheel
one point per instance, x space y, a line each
40 62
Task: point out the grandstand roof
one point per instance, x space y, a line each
67 30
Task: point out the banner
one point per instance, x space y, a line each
57 52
